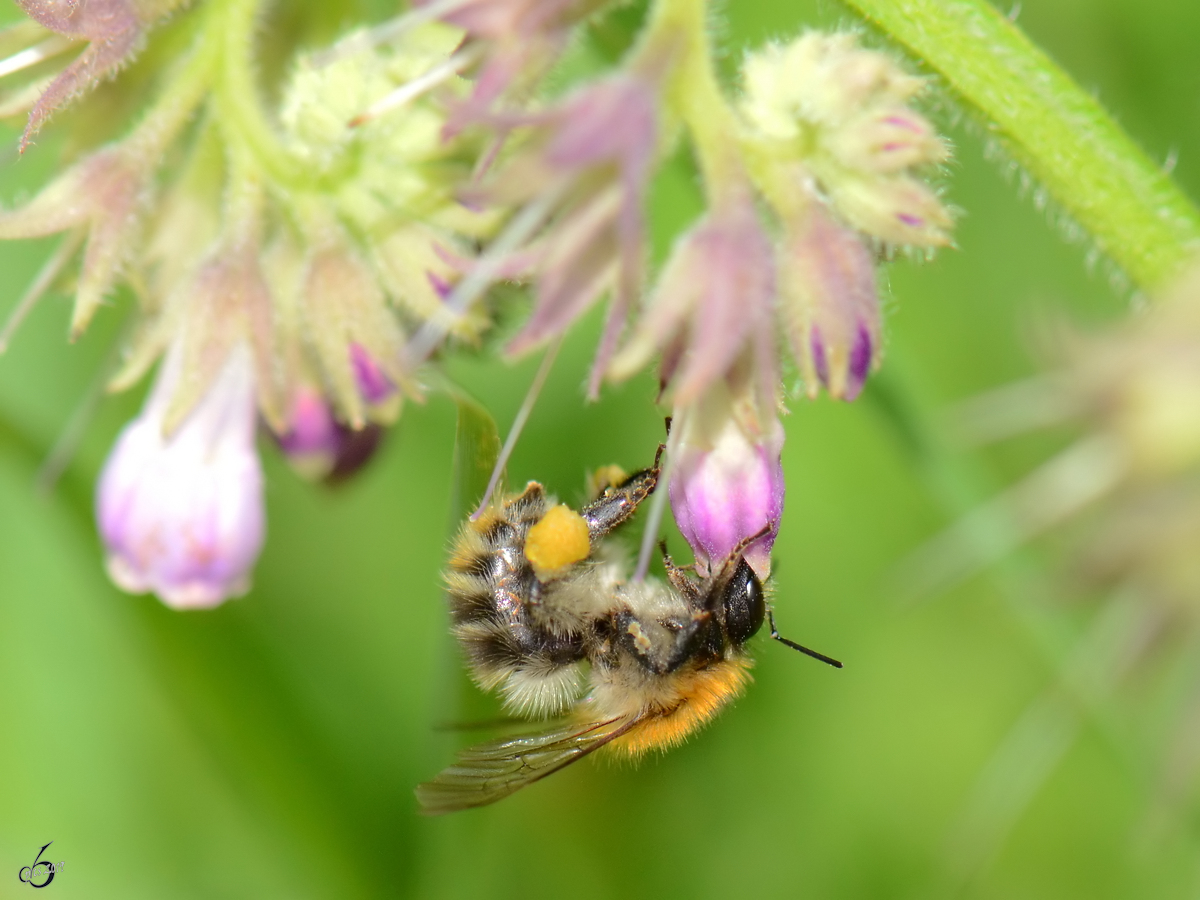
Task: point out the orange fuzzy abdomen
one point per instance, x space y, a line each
700 695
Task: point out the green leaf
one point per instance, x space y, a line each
1057 131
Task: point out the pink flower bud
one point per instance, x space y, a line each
898 209
727 484
181 514
310 443
319 447
887 141
829 304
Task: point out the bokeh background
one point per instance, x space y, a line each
269 748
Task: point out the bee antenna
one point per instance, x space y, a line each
828 660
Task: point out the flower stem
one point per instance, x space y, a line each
679 28
1060 134
237 93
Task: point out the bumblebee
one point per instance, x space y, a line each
541 607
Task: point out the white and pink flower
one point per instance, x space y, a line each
182 514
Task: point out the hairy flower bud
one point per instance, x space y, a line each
896 210
355 337
889 140
591 154
319 447
829 304
181 514
713 300
373 382
102 194
841 111
727 485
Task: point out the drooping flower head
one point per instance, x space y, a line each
829 303
840 160
727 482
713 304
181 511
332 245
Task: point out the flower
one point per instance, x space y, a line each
714 300
840 110
319 447
727 482
181 513
588 159
829 303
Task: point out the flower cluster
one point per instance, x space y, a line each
808 177
301 265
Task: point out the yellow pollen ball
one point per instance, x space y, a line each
604 478
558 541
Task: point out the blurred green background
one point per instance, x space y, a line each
269 748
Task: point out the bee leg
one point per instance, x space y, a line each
662 646
682 578
617 504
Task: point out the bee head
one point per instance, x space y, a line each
742 604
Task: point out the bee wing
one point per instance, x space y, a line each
489 772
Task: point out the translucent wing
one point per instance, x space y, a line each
490 772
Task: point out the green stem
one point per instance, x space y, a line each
237 97
1060 134
678 31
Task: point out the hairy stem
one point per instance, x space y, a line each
1060 134
237 92
678 30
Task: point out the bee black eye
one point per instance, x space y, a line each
743 605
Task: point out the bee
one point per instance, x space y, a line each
541 607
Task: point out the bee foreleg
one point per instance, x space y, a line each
663 645
617 504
